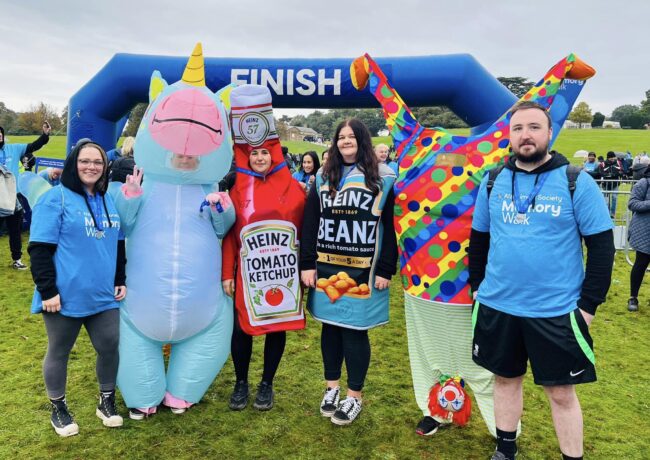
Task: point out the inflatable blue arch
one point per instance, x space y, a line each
100 108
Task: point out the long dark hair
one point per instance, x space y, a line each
366 159
70 175
314 158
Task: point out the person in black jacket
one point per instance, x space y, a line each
10 157
348 255
534 298
611 171
78 265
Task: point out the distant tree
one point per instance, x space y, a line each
645 107
8 118
438 116
517 85
64 117
282 127
598 120
581 113
624 111
634 120
31 121
135 117
299 120
645 104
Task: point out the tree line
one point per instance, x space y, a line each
324 122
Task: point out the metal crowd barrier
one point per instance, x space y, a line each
622 216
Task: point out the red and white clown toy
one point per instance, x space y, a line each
264 241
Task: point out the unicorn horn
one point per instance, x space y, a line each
194 73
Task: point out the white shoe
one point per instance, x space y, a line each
330 401
347 411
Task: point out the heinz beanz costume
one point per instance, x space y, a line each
349 248
264 241
435 192
174 255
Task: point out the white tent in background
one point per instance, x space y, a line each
581 154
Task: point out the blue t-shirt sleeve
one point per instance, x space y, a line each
589 207
481 218
47 216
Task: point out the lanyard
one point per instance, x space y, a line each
343 177
96 212
261 176
522 206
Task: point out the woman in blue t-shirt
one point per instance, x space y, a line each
307 173
78 262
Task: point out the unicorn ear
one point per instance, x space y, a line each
156 85
224 95
194 73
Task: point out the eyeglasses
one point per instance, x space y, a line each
86 163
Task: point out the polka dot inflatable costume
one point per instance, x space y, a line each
435 192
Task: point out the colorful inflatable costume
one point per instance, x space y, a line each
439 175
174 256
264 241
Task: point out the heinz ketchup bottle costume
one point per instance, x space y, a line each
261 250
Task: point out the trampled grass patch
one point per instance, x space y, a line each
616 409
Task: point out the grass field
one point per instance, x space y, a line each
568 142
616 409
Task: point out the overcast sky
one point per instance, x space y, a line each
49 49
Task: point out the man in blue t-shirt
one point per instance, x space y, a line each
11 155
534 298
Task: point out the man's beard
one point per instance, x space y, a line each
537 156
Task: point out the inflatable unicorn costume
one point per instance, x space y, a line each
173 250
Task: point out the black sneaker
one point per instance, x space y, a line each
62 420
107 411
239 397
501 456
137 414
330 401
347 411
19 265
264 398
633 304
427 426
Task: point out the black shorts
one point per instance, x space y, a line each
560 348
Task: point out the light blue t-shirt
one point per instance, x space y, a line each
535 268
10 156
85 265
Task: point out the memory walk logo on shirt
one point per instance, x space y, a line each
89 224
544 204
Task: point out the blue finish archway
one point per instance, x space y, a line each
457 81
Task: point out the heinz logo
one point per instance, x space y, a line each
304 82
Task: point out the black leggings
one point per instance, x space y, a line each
62 332
241 348
14 224
338 343
638 270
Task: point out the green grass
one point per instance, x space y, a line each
571 140
616 410
56 147
568 142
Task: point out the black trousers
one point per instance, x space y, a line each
353 346
241 349
638 270
14 223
